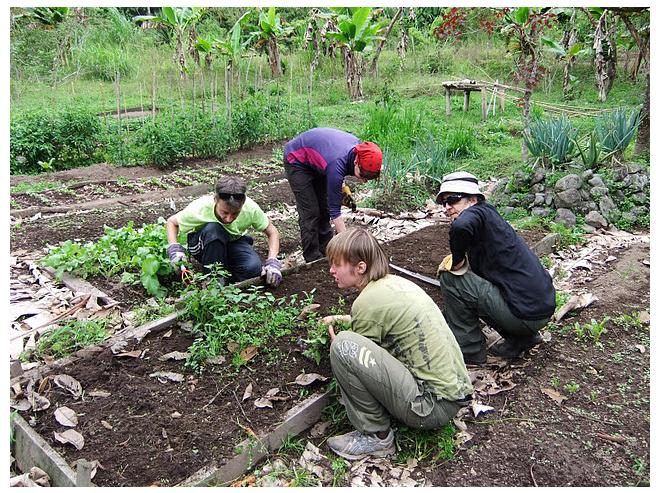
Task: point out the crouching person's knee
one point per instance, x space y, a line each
343 347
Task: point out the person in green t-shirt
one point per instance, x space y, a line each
214 229
399 358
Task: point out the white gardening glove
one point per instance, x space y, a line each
177 256
271 271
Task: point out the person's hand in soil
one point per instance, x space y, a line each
330 320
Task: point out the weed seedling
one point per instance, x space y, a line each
572 387
340 468
71 336
291 446
595 329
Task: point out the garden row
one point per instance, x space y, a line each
47 141
181 394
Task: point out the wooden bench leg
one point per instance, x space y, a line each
465 104
448 102
484 103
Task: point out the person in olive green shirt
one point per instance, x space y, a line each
215 227
399 359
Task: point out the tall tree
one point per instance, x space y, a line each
605 49
524 27
642 41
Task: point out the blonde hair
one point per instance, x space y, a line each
356 245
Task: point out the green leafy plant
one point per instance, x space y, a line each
71 336
571 387
355 32
137 251
596 328
628 321
340 468
44 141
223 316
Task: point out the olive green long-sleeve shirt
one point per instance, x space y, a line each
401 318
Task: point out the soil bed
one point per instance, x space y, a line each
161 433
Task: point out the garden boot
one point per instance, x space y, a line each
477 359
357 445
512 347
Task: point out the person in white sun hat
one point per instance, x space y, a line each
490 274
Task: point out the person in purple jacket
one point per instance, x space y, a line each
316 163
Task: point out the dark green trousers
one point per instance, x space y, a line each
470 298
375 385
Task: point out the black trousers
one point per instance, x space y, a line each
212 244
311 192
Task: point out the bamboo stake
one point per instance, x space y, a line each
118 99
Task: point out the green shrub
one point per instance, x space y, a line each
246 318
249 121
65 139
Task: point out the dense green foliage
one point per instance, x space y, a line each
63 139
138 255
243 321
224 101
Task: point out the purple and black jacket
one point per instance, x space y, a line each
327 151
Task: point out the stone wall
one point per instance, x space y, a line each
622 201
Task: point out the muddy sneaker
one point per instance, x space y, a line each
512 347
357 445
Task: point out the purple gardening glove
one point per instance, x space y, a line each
271 270
176 255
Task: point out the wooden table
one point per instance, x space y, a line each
467 86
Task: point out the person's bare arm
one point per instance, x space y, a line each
172 229
273 240
339 224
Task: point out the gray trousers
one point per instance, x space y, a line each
376 386
469 298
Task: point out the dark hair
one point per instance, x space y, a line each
231 190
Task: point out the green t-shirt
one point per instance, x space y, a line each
201 211
401 318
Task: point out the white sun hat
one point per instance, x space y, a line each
459 182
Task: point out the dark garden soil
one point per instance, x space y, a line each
597 436
149 433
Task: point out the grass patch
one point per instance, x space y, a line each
71 336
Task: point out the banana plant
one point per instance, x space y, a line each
49 17
355 34
180 21
269 31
